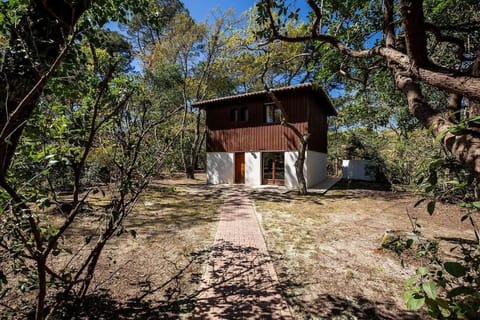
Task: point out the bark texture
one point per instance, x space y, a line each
410 66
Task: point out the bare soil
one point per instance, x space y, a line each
327 248
155 274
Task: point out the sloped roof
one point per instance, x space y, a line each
305 87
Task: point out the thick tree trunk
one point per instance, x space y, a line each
466 147
410 69
474 104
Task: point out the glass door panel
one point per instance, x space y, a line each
273 168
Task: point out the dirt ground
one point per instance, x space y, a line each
327 249
155 275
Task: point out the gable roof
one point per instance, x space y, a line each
317 91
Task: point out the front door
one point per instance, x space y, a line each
273 168
240 167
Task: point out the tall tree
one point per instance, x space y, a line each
60 68
405 37
196 50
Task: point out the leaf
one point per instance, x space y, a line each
422 271
455 269
419 202
435 164
460 291
431 207
415 302
440 136
443 307
3 279
55 252
458 130
465 217
476 204
133 233
411 281
430 289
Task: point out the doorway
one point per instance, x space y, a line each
240 167
273 164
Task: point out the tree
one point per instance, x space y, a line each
67 93
405 43
196 50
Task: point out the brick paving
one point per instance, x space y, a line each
240 282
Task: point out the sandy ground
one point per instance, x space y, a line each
325 250
328 255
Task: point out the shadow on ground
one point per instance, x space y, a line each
240 286
332 307
240 290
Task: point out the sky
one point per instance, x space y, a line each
201 9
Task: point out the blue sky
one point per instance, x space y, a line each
201 9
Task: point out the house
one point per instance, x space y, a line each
247 144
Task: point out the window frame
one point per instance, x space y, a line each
243 115
276 113
234 115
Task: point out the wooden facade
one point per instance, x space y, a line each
307 108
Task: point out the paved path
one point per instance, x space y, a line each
240 282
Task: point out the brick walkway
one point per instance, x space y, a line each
240 282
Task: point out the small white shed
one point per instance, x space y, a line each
359 170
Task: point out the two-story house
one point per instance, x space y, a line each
247 144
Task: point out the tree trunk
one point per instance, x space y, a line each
34 46
195 150
42 288
299 163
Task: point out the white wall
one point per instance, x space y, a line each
220 167
316 167
359 170
290 174
253 168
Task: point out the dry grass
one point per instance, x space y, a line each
157 273
327 254
325 249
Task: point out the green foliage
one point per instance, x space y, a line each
456 283
96 129
386 148
448 289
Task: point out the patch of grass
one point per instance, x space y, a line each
160 268
326 250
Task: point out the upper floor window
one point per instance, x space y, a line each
273 114
234 115
239 115
244 114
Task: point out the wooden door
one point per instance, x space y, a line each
240 167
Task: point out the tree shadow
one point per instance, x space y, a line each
345 184
329 306
176 300
240 284
458 241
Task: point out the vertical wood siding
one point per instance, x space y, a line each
317 127
256 135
